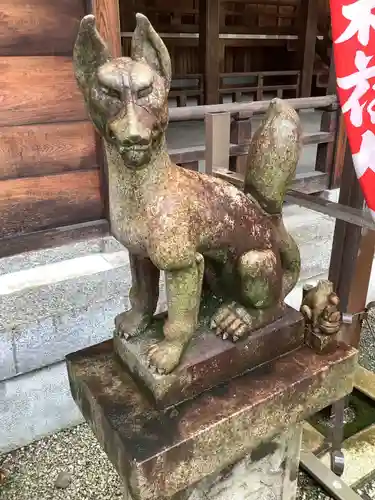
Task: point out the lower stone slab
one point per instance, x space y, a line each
163 453
269 472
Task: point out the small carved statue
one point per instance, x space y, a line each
201 231
322 317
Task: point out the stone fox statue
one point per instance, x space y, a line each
199 230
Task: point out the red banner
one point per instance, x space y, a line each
353 34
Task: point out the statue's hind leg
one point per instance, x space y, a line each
260 282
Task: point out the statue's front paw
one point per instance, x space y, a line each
131 323
165 356
231 321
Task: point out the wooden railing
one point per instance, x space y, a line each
193 89
255 85
228 132
278 83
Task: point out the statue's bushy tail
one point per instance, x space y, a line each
273 156
271 166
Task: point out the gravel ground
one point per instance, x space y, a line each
367 343
75 455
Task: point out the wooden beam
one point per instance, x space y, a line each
336 210
39 89
307 42
252 108
45 149
196 153
36 203
39 27
209 48
310 182
51 238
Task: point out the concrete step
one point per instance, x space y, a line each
55 301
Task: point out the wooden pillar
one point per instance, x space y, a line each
339 156
217 134
209 48
240 133
325 155
352 254
307 42
107 15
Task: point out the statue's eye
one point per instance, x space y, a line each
115 94
144 92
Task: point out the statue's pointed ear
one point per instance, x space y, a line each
89 53
148 46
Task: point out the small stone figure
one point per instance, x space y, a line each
201 231
322 316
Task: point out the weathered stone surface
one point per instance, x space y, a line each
269 472
63 480
209 361
320 342
160 453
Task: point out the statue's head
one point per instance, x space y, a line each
127 97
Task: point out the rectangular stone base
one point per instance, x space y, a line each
161 453
269 472
209 360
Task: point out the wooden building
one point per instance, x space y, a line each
51 162
239 49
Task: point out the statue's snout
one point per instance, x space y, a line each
129 132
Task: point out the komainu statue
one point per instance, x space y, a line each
201 231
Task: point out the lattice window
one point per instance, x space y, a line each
168 16
254 17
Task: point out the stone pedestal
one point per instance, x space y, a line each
238 440
209 361
269 472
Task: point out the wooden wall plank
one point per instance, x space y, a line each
39 89
51 238
36 150
39 27
38 203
